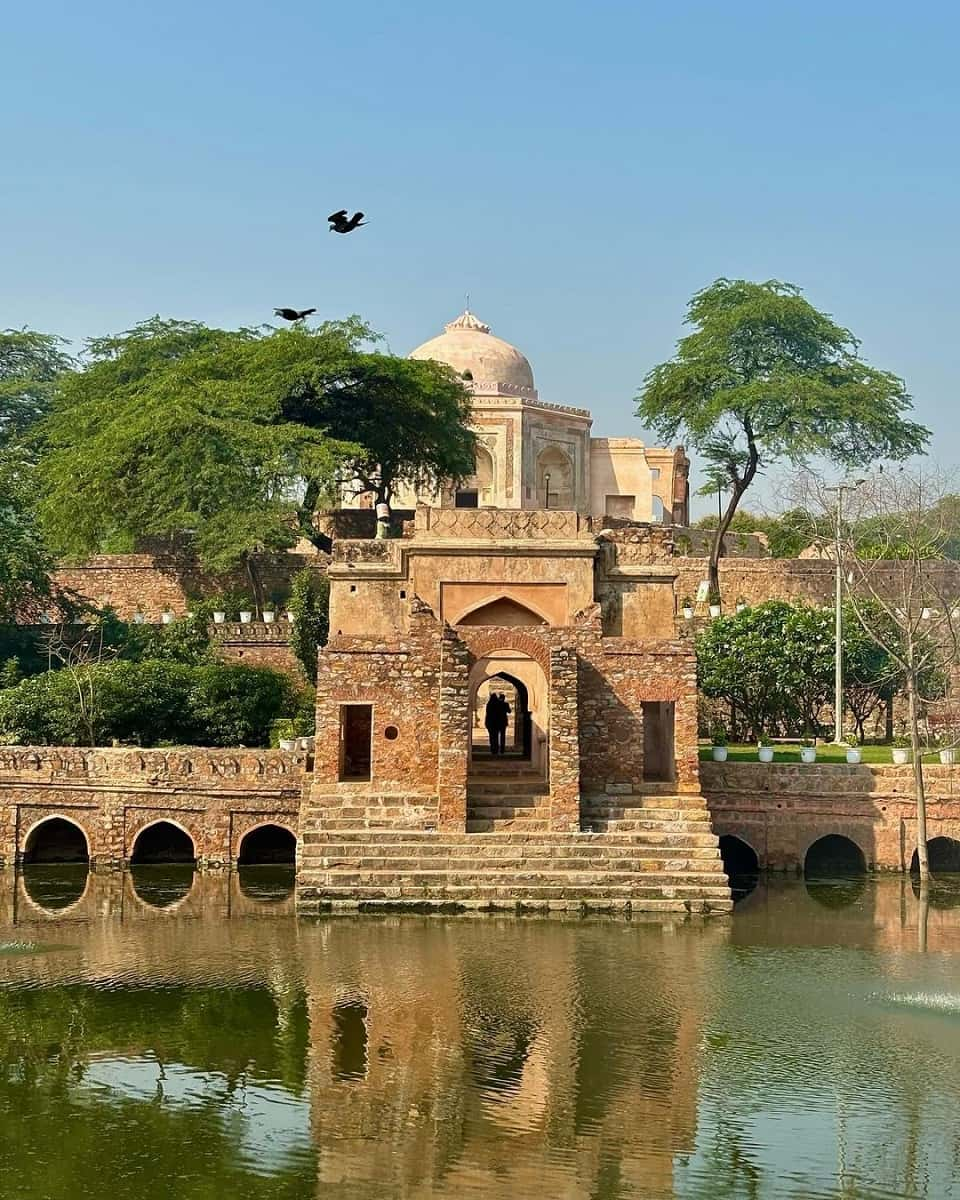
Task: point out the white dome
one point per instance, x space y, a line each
467 345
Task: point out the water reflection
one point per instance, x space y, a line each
837 893
55 888
801 1049
162 885
267 884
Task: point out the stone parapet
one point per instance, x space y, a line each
781 809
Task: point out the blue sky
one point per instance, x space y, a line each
579 169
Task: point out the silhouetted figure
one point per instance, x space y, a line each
491 719
291 314
341 223
503 719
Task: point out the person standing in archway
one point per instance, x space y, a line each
491 719
503 719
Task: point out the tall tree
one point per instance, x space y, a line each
765 376
235 437
30 365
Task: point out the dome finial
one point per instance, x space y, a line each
467 320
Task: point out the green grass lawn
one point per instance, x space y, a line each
791 754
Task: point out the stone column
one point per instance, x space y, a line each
564 741
454 733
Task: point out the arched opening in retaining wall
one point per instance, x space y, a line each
268 845
56 840
944 855
835 870
741 865
833 856
163 842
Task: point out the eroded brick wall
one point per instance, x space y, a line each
216 796
780 810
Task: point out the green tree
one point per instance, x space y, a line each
310 604
24 562
787 533
30 365
765 376
237 438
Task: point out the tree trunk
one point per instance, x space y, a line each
923 857
254 580
736 495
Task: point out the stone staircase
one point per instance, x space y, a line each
650 853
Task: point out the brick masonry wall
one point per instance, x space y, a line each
258 644
216 796
780 810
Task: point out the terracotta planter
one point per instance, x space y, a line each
765 754
808 754
719 753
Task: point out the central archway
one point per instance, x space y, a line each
56 840
523 683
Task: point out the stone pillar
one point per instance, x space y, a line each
564 741
454 733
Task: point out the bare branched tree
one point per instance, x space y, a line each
904 591
77 649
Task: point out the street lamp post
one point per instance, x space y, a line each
546 489
839 488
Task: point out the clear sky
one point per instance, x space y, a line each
579 168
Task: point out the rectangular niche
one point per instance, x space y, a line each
356 741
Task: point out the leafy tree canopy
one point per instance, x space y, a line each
787 534
30 364
765 376
238 437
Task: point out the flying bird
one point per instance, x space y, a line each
341 223
291 314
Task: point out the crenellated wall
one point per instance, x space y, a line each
215 796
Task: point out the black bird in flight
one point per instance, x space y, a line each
341 223
291 314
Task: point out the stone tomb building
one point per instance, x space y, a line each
532 454
596 802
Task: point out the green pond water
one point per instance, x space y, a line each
170 1035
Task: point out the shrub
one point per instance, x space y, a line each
310 605
232 705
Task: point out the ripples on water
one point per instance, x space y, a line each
165 1033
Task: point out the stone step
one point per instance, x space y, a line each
635 864
538 841
506 824
496 787
368 889
592 849
604 804
311 904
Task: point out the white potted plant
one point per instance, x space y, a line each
290 617
901 750
269 616
288 743
854 753
715 608
167 617
948 755
765 750
741 605
719 738
686 605
808 750
246 612
138 617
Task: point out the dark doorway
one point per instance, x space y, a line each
834 856
268 844
350 1040
466 499
519 739
741 865
356 734
163 842
56 841
658 737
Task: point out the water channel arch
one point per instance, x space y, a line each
739 857
269 843
944 855
56 839
163 841
833 855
